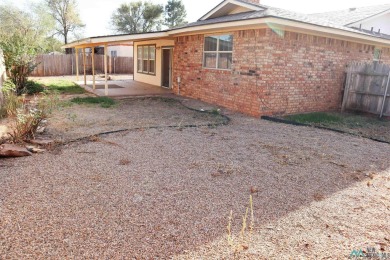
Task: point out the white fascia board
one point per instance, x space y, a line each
114 39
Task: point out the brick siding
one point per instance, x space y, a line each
272 73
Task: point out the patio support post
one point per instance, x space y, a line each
85 74
93 67
105 69
77 63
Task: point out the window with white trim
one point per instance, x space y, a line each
377 54
146 59
218 52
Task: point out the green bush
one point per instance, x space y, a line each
8 85
29 116
19 60
32 87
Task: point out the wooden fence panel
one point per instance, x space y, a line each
122 65
367 88
61 65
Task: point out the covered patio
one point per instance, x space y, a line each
109 85
122 86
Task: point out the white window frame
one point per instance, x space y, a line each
377 54
217 52
141 69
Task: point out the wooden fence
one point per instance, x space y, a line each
367 88
60 65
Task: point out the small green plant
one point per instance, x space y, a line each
105 102
216 111
72 116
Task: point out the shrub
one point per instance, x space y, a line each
32 87
8 85
30 116
19 60
11 101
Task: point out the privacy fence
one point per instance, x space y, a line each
60 65
367 88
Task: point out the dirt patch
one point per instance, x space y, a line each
77 121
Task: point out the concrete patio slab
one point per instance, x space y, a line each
124 88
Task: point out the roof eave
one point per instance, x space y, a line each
114 39
283 22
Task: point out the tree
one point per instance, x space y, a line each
137 17
21 36
175 13
19 60
66 17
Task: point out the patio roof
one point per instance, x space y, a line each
114 39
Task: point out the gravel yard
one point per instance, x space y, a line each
166 192
77 121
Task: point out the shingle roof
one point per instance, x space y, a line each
278 13
353 15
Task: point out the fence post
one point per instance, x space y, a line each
385 95
346 88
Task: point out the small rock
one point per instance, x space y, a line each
41 129
34 149
254 190
41 142
10 150
137 198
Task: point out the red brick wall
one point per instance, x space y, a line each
271 74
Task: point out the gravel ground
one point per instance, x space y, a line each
77 121
167 193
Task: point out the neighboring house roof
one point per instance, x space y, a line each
353 15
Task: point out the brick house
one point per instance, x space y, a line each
253 58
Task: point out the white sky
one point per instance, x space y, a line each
96 13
